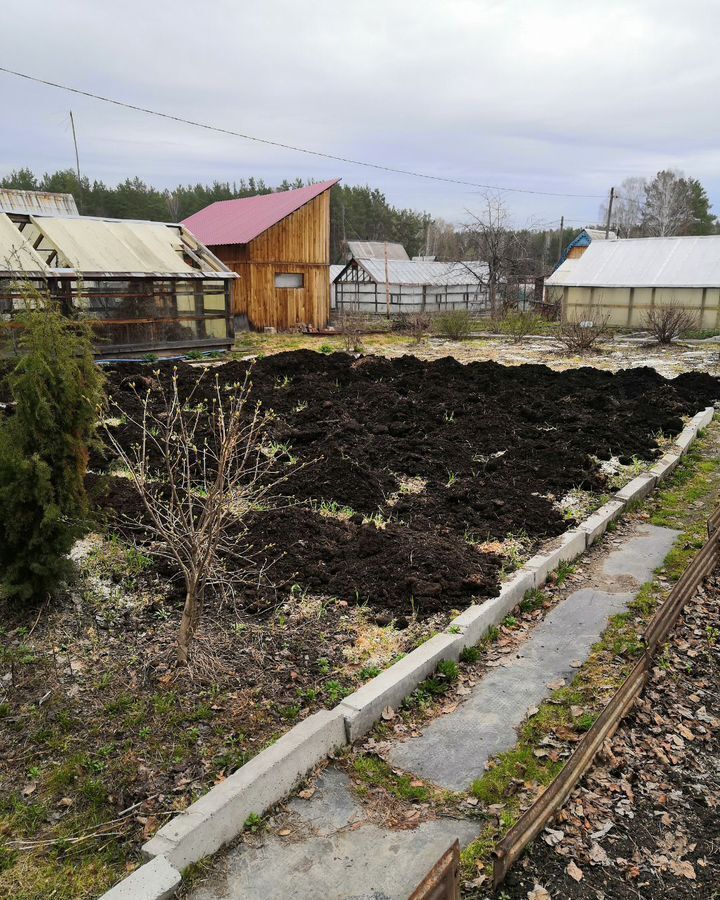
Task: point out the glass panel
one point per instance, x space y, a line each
289 280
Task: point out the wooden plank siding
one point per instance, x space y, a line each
299 244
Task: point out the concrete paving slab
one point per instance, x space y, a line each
639 556
453 749
346 858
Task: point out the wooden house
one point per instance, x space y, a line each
279 244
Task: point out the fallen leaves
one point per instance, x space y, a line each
574 871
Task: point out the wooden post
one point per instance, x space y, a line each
560 240
610 204
387 286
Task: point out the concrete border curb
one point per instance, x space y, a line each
596 524
219 816
363 708
155 880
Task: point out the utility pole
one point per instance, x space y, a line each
610 203
560 238
387 286
77 159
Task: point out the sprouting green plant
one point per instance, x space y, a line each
325 348
254 823
449 415
323 665
283 382
470 655
510 622
335 510
562 572
712 635
449 669
368 672
454 629
302 405
336 691
290 712
534 599
452 478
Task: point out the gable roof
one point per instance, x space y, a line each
62 244
644 262
414 272
241 221
376 250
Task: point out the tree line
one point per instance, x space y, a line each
357 212
670 203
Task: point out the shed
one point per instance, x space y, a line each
627 277
279 244
142 286
410 286
579 244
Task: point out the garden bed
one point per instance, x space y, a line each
403 475
424 483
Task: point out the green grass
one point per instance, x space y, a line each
373 772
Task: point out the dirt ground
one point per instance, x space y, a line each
102 739
412 470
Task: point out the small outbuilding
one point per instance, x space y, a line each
144 287
579 244
279 245
625 278
388 282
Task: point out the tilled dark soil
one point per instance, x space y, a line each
494 445
645 821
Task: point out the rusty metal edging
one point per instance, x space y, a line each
442 881
535 818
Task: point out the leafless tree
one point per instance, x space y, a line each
442 241
200 469
667 322
668 205
628 208
172 201
495 243
582 331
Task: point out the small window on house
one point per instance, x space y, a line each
289 280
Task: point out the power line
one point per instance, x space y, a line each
283 146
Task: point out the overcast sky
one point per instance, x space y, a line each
542 95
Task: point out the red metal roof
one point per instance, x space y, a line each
240 221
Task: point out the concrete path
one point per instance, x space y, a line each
334 853
453 750
332 850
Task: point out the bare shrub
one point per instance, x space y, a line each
415 324
455 324
665 323
583 331
351 325
518 325
199 469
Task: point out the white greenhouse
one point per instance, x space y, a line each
624 279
